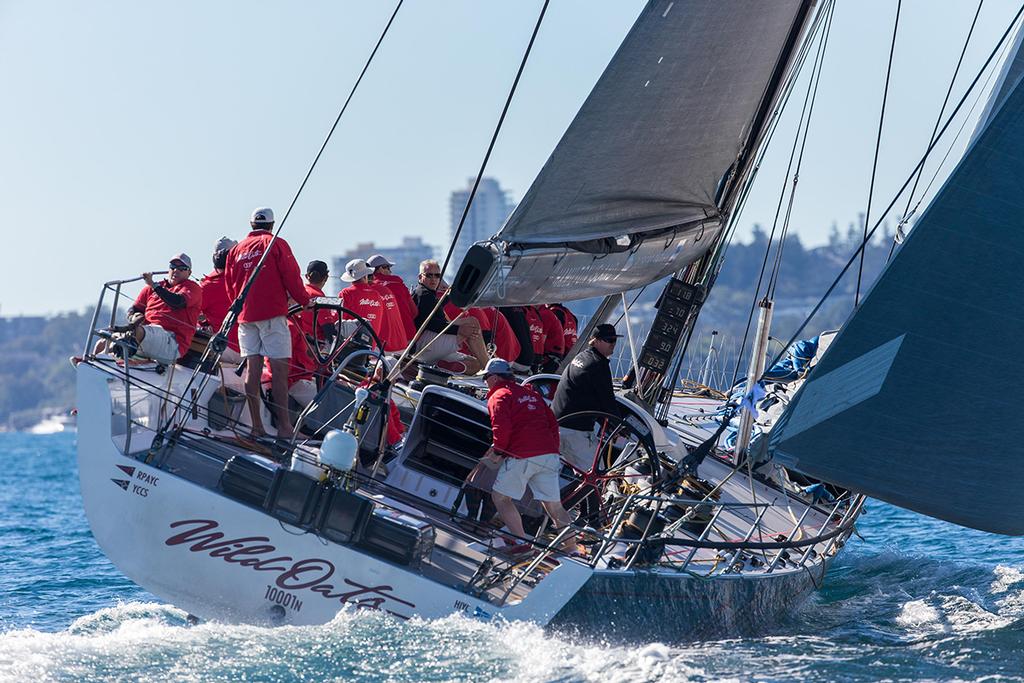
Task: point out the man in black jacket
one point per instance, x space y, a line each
586 385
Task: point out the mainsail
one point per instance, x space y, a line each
643 178
915 402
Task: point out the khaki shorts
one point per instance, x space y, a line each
158 344
446 347
578 448
268 338
540 473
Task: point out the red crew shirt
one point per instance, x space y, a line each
570 326
397 338
324 317
216 303
364 299
536 330
406 306
554 335
278 279
180 322
522 424
507 346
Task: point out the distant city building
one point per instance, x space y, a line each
491 206
407 257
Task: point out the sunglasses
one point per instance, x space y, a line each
181 267
431 275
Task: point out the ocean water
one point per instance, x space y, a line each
913 600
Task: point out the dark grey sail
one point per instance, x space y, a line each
915 402
639 183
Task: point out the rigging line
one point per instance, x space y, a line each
494 138
878 146
938 119
772 126
236 306
906 183
777 267
907 213
782 193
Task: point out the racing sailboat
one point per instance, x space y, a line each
682 535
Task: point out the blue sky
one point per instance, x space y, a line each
132 131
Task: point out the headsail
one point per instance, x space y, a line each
916 401
638 185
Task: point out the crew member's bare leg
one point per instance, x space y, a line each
279 387
253 374
509 513
469 332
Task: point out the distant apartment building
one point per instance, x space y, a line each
406 256
491 206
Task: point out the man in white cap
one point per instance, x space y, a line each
524 448
262 327
162 320
362 298
216 301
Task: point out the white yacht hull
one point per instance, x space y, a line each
220 559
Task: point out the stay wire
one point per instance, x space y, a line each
494 138
782 193
938 120
236 306
777 267
906 184
878 146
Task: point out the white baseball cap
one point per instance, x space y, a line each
262 215
356 269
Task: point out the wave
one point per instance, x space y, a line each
153 642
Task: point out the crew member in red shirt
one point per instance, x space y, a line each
406 306
216 302
363 298
163 318
554 339
316 278
394 323
262 327
524 447
570 325
536 333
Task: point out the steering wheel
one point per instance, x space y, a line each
349 331
623 460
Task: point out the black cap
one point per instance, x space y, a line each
605 332
317 268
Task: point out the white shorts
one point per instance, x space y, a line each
578 448
268 338
303 391
540 473
158 344
446 347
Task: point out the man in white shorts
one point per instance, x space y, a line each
262 326
524 448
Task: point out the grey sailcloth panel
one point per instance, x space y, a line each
673 109
917 400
